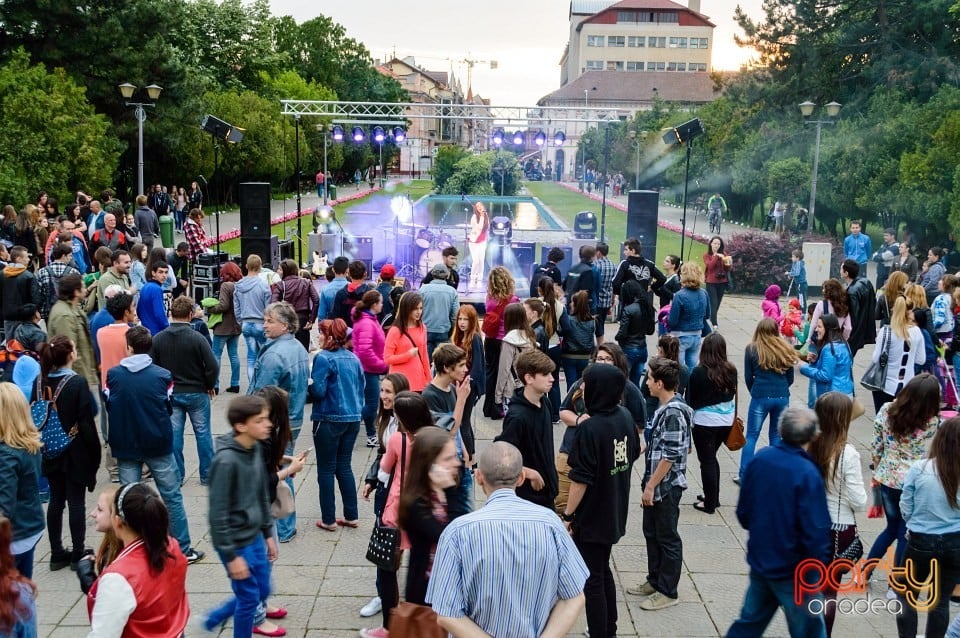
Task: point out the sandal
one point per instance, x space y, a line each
345 523
329 528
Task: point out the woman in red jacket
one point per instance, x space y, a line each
716 266
405 350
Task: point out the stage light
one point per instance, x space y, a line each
683 133
585 225
378 134
540 138
337 133
559 138
357 134
497 137
501 227
518 138
325 214
399 134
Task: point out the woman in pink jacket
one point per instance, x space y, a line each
368 346
406 346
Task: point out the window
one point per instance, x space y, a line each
661 66
697 67
678 43
657 43
594 40
698 43
594 65
671 66
616 41
615 66
681 66
634 66
668 17
636 41
676 66
626 16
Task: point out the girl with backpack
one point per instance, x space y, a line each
500 293
74 471
578 337
519 337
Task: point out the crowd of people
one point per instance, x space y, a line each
119 376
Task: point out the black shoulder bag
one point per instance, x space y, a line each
384 547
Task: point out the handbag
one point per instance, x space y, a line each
875 377
47 419
854 551
492 319
410 620
736 438
284 505
384 547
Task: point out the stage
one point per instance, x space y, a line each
412 235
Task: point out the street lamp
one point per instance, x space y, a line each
153 92
806 109
638 143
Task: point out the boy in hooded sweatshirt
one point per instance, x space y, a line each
239 514
529 427
348 296
770 306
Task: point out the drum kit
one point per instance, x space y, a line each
431 242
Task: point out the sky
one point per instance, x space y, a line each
524 37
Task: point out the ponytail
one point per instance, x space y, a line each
549 296
142 510
368 301
54 354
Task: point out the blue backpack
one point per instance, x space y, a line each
47 419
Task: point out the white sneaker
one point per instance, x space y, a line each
371 608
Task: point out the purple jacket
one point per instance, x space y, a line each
368 343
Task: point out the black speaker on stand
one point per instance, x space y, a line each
255 221
642 214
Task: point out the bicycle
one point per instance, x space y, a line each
714 219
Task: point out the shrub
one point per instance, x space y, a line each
761 259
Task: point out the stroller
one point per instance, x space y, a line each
945 370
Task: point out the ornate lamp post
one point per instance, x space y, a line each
153 92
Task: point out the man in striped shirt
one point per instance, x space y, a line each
510 568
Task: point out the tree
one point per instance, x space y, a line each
49 133
445 164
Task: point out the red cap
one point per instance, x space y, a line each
388 271
795 303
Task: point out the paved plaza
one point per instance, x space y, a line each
323 579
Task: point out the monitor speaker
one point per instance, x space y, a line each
642 214
255 210
360 249
525 253
268 248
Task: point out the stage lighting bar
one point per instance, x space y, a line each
337 133
540 138
559 138
518 138
399 134
379 134
357 134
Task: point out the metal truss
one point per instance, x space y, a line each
373 112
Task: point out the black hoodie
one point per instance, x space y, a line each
239 506
604 449
530 429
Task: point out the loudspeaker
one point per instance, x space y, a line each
267 247
642 214
526 253
286 250
213 259
360 249
568 259
255 210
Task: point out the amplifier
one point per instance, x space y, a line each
204 289
203 271
212 259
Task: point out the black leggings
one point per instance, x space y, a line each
715 293
64 491
491 360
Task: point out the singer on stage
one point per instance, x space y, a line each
477 243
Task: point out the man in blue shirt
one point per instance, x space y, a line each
152 311
329 292
857 246
783 504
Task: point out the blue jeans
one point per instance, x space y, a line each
636 362
371 403
922 550
255 339
287 527
197 405
573 369
334 444
24 562
434 339
690 350
896 529
760 408
167 479
248 593
231 341
554 395
763 598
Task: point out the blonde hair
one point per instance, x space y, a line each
773 352
110 545
896 284
16 427
691 275
916 294
500 283
900 318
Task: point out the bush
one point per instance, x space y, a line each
762 259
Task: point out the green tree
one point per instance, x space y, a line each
50 135
445 164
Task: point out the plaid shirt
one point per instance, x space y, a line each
196 239
669 440
607 272
48 278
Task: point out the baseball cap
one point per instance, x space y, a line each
388 271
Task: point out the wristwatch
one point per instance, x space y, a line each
566 518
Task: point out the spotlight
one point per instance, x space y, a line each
585 225
518 138
337 133
683 133
559 138
378 134
325 214
501 227
399 134
498 136
357 134
540 138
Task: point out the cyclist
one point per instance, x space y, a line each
717 206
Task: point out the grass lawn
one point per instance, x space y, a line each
416 189
566 204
